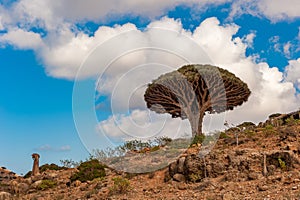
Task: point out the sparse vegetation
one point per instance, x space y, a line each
137 146
69 163
221 171
198 139
291 121
121 185
282 164
223 135
274 115
46 184
45 167
88 171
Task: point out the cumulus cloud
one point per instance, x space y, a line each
274 10
124 76
64 48
22 39
292 72
144 125
271 90
51 14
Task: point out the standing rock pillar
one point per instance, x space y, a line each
35 168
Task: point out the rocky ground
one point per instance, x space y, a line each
264 165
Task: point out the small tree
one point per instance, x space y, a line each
194 90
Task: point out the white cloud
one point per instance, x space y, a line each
144 125
22 39
287 49
52 14
48 147
270 91
45 147
248 39
275 42
62 50
65 148
292 72
1 24
126 77
298 41
275 10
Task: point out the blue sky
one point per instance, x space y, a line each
42 48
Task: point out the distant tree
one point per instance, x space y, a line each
194 90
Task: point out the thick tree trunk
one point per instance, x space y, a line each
196 124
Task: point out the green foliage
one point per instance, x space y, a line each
135 145
121 185
198 139
132 145
269 130
46 184
69 163
282 164
291 121
223 135
88 171
162 90
155 148
195 177
274 115
249 133
50 167
269 127
246 124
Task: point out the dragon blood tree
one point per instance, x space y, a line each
193 90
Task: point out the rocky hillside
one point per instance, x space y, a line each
263 163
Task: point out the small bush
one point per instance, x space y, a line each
274 115
155 148
269 130
121 185
69 163
195 177
88 171
46 184
282 164
291 121
198 139
223 135
50 167
269 127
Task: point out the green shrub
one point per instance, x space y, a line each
270 130
88 171
194 177
223 135
50 167
246 124
274 115
282 164
69 163
269 127
121 185
291 121
198 139
46 184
